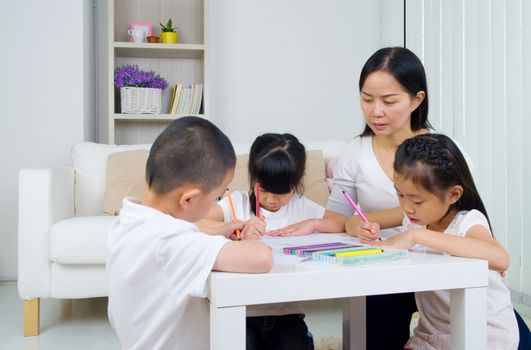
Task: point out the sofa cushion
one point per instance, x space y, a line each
126 173
80 240
90 163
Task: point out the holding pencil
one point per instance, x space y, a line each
238 232
357 209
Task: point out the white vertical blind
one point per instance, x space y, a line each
477 55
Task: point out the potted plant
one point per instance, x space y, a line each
167 33
140 91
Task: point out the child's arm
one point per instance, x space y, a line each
330 222
214 224
385 218
244 256
477 243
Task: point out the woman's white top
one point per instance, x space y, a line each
299 208
433 329
359 173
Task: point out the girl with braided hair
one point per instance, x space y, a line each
444 213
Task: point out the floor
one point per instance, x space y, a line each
83 325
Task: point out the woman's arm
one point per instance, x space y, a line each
385 218
477 243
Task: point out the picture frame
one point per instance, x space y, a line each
148 29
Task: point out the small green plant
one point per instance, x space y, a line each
167 28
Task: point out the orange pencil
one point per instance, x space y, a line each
238 232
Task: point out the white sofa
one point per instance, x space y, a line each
62 230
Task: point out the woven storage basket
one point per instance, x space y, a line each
140 100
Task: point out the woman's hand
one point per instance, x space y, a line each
299 229
368 232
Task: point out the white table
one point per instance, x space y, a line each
230 293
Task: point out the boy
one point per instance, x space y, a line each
158 260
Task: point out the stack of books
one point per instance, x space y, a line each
186 100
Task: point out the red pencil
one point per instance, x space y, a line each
257 196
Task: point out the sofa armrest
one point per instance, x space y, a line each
45 196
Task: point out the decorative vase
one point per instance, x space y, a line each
169 37
152 39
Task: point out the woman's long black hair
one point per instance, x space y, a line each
407 69
435 162
277 162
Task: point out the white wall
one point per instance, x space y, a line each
293 66
478 59
44 97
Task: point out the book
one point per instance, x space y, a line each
185 100
172 98
177 99
198 98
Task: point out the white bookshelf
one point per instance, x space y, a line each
181 63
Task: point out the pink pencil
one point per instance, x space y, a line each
257 196
363 217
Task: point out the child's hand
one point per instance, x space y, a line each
253 228
299 229
229 229
368 232
402 240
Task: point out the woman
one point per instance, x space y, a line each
394 101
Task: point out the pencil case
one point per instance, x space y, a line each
370 256
307 250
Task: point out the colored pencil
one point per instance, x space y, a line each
363 217
238 232
358 210
257 196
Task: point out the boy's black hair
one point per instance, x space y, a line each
277 162
435 162
189 150
407 69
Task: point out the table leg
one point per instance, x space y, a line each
227 328
354 323
468 318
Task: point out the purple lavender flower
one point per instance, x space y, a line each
131 75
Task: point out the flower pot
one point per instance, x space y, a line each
169 37
153 39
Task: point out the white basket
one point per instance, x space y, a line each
140 100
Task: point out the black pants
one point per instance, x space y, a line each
286 332
525 335
388 320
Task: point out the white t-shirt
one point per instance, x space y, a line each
299 208
433 329
157 269
359 173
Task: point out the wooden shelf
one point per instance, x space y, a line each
145 50
118 117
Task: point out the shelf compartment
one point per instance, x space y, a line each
119 117
145 50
